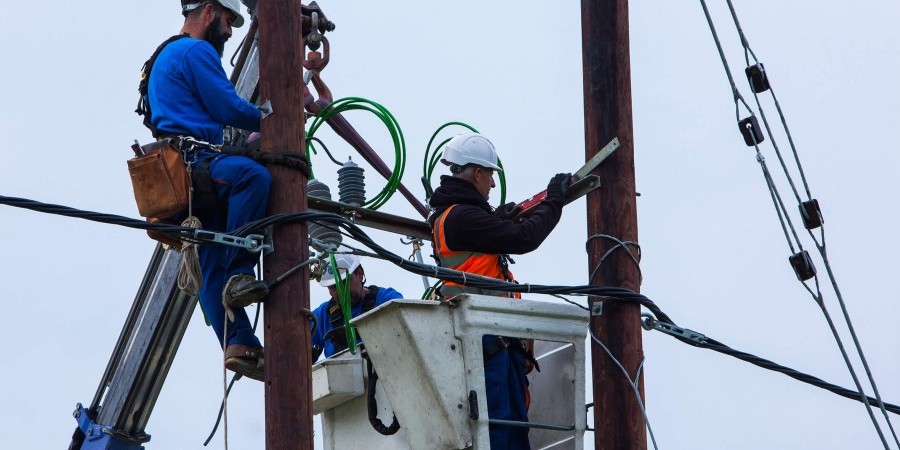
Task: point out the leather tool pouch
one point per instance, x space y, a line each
160 180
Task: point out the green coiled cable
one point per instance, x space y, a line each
388 119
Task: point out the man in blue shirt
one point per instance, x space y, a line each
190 96
329 335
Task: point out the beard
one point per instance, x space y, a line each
215 36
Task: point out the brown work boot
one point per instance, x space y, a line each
243 290
245 360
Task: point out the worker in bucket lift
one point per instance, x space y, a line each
329 336
190 96
470 236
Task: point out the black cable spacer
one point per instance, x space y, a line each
803 265
750 130
812 214
756 75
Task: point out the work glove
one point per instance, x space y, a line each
507 211
558 185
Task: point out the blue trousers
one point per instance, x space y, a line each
504 376
243 186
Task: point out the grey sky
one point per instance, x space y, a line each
714 256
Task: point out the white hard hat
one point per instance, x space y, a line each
231 5
471 148
347 264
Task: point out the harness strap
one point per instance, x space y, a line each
204 187
143 105
336 335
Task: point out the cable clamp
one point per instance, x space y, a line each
254 242
649 323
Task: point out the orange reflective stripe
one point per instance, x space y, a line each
484 264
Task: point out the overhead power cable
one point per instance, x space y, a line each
809 209
700 340
606 293
111 219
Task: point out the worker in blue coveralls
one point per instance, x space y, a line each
329 335
190 96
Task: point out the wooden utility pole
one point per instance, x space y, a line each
618 420
287 335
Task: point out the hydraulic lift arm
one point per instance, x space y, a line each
137 369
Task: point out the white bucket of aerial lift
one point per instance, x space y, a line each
428 356
339 395
336 381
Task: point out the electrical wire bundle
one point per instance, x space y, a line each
349 229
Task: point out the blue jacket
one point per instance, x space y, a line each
384 295
191 95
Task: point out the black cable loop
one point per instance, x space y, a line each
372 403
315 139
290 272
215 428
312 316
235 54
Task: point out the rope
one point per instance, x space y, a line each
190 276
225 387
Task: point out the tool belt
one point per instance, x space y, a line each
160 180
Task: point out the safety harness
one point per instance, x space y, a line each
336 335
490 265
204 187
143 106
485 264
